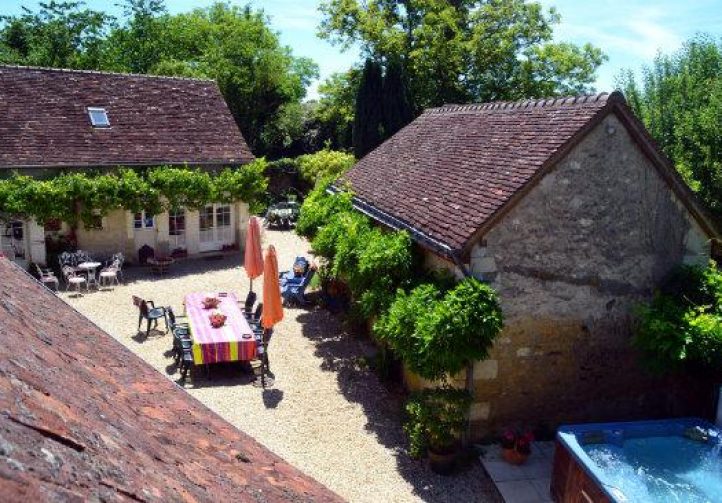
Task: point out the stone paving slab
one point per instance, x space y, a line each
527 483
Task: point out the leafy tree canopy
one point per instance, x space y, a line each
465 50
679 99
335 111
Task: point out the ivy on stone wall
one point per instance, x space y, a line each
438 327
74 197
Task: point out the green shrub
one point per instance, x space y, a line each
324 164
435 419
319 207
371 261
438 334
385 264
682 326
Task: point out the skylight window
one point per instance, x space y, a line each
98 117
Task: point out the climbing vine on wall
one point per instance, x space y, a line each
74 197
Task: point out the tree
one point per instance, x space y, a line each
335 110
142 42
368 113
59 34
465 50
396 102
261 80
679 100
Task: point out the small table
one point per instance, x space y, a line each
234 341
89 268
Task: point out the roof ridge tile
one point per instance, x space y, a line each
559 101
99 72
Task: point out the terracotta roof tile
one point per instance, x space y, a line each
454 167
153 120
84 419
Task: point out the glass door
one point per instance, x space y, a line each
224 229
216 227
207 228
177 229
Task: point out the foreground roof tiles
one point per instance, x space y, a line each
153 120
453 168
83 419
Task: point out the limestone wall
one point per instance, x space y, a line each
119 235
110 239
569 262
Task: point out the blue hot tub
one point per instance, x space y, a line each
676 460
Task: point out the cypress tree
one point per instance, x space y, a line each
396 101
368 116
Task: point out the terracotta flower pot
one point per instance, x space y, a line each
514 457
442 462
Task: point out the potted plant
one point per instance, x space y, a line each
436 418
516 446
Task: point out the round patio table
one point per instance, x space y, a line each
89 268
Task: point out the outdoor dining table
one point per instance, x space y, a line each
89 268
234 341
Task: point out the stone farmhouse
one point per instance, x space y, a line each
64 120
571 212
79 424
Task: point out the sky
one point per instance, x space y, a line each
630 32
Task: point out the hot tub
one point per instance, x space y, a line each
676 460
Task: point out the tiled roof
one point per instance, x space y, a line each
84 419
453 168
153 120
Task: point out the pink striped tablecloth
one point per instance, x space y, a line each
223 344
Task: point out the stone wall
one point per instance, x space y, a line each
112 238
119 235
570 261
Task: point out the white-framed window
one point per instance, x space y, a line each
143 220
177 228
98 117
223 216
177 222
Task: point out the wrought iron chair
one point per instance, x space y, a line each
47 277
109 274
72 278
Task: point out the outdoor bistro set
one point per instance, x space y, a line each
80 269
215 327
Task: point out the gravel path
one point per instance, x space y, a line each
325 413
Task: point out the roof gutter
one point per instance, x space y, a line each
126 164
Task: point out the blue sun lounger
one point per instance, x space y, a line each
293 287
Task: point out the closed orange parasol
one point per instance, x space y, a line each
272 308
253 259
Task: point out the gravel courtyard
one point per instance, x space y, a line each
326 413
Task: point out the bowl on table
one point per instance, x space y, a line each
211 302
217 319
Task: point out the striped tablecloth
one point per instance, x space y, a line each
223 344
